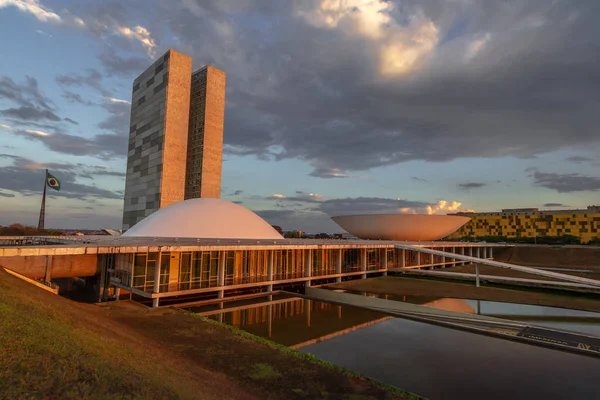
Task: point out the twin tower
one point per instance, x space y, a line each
175 137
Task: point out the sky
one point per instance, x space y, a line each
333 106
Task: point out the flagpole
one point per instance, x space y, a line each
43 208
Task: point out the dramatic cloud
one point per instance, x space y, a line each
102 146
23 176
25 95
103 20
317 219
125 66
354 85
555 205
30 114
92 78
566 183
300 196
471 185
33 7
117 120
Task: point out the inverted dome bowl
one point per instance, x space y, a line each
204 218
401 227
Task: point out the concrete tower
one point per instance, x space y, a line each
175 138
205 142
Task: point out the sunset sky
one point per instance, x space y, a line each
333 106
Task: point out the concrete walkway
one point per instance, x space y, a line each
530 270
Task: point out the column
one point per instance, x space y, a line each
454 259
156 290
402 258
384 261
270 271
431 259
485 252
461 251
307 266
221 273
103 266
48 272
363 262
491 252
338 265
478 252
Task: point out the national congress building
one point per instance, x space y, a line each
175 136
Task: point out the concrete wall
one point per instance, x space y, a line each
35 267
549 256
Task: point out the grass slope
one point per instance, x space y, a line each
53 348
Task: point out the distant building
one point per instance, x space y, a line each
531 222
175 137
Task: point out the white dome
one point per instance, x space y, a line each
204 218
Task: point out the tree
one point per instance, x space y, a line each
278 229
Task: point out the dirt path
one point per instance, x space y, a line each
404 286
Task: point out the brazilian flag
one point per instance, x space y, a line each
52 181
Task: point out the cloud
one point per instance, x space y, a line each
118 118
92 78
102 146
399 47
117 101
30 114
41 32
277 196
69 120
579 159
566 183
330 173
76 98
421 180
318 219
103 20
237 193
346 115
23 176
35 133
555 205
477 45
118 65
142 35
34 8
471 185
26 95
2 194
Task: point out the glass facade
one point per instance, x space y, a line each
170 272
146 138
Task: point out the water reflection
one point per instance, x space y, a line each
553 317
436 362
291 321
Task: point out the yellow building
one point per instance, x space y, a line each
531 222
